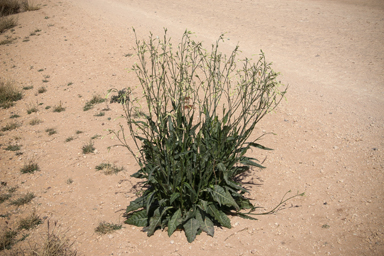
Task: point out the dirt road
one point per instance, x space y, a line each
329 140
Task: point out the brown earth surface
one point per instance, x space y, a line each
329 138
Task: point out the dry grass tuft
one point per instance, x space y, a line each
105 227
23 200
8 94
30 222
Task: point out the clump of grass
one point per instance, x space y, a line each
108 168
51 131
32 109
7 239
28 87
78 132
69 139
8 94
95 137
100 114
35 121
27 6
8 7
105 227
55 244
88 148
23 200
47 107
30 167
96 99
6 41
59 108
69 181
4 197
10 127
30 222
13 148
7 23
12 189
42 90
14 116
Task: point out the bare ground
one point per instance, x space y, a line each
329 133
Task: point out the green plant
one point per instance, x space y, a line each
59 108
105 227
12 189
4 197
47 107
13 148
14 116
88 148
108 168
79 132
69 84
100 114
51 131
10 127
7 41
23 200
203 108
96 99
28 87
69 181
42 89
40 70
30 167
8 94
95 137
7 239
69 139
30 222
32 109
35 121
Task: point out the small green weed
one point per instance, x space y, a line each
4 197
30 222
12 189
100 114
42 90
59 108
96 99
51 131
108 168
69 139
35 121
105 227
23 200
69 84
10 127
40 70
79 132
88 148
14 116
26 39
30 167
28 87
95 137
47 107
69 181
13 148
32 109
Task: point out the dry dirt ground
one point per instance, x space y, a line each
329 140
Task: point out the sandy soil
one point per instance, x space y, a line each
329 138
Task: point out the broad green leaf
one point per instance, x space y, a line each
139 219
219 215
190 228
174 222
205 222
174 196
155 220
223 197
136 204
247 161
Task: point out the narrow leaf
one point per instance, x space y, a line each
256 145
174 196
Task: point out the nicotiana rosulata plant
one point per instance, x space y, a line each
192 136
